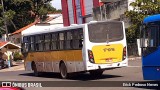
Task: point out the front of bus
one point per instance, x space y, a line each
106 45
150 41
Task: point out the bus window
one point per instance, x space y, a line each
152 36
32 43
29 43
47 41
115 32
77 39
41 44
68 38
105 31
81 38
25 40
61 40
37 42
142 35
97 32
25 45
54 41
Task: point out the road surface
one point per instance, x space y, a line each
131 73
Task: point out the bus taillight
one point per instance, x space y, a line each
90 56
124 53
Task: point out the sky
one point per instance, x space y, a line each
56 4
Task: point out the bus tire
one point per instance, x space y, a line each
63 70
96 73
35 71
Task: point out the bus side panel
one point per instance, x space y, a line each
27 63
79 66
27 66
49 61
73 60
151 73
68 58
151 65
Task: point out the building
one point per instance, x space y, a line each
83 11
9 48
15 37
53 20
78 11
8 45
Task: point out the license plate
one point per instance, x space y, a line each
109 60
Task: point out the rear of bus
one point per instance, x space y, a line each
106 46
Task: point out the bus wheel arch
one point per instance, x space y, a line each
33 65
63 69
34 68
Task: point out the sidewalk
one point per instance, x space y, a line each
16 67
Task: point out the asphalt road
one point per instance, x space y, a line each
131 73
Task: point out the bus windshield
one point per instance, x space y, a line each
105 32
150 37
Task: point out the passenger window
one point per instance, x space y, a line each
41 43
37 42
47 41
77 39
61 40
54 42
25 45
32 43
68 40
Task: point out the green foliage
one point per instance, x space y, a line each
142 8
17 56
20 13
9 14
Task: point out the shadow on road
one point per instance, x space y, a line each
81 76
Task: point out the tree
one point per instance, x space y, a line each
142 8
19 13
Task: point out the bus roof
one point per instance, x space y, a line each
46 29
152 18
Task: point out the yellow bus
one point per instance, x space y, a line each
92 47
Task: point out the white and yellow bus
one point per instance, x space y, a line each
92 47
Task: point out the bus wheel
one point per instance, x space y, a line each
63 71
36 73
96 73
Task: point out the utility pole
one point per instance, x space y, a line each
5 22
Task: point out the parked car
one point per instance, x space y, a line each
2 63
